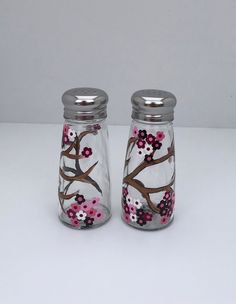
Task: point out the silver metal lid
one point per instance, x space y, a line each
153 105
85 104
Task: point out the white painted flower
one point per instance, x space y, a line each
137 203
141 152
133 217
148 149
81 215
129 199
71 134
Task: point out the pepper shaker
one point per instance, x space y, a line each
148 193
84 183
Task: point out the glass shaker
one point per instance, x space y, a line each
84 183
148 194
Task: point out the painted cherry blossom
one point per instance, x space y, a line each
71 134
135 132
160 135
87 152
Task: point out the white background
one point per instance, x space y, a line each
185 46
190 262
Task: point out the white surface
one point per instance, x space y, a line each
42 261
185 46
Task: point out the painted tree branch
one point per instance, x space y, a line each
146 191
79 174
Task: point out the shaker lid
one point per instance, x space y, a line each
85 104
153 105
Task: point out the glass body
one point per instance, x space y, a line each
148 195
84 183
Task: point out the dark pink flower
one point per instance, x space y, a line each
150 139
167 196
65 130
91 212
65 139
71 213
125 191
148 158
86 205
141 143
135 132
75 222
141 221
160 135
89 221
100 215
156 145
126 218
87 152
142 134
80 198
75 207
173 197
126 208
97 127
132 208
147 216
164 220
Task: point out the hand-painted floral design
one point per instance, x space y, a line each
134 211
86 213
79 211
147 143
166 207
87 152
160 135
146 210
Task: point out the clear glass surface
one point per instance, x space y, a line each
148 196
84 183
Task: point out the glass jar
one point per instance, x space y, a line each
84 183
148 193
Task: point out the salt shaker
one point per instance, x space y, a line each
148 193
84 184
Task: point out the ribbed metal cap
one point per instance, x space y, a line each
153 105
85 104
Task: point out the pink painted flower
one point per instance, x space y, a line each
87 152
148 216
164 220
94 201
75 222
100 215
126 218
135 132
125 191
71 213
160 135
80 198
132 208
141 143
148 158
173 197
65 130
65 139
167 196
142 134
92 212
75 207
85 206
150 139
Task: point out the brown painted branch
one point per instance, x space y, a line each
145 164
145 191
71 156
61 199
